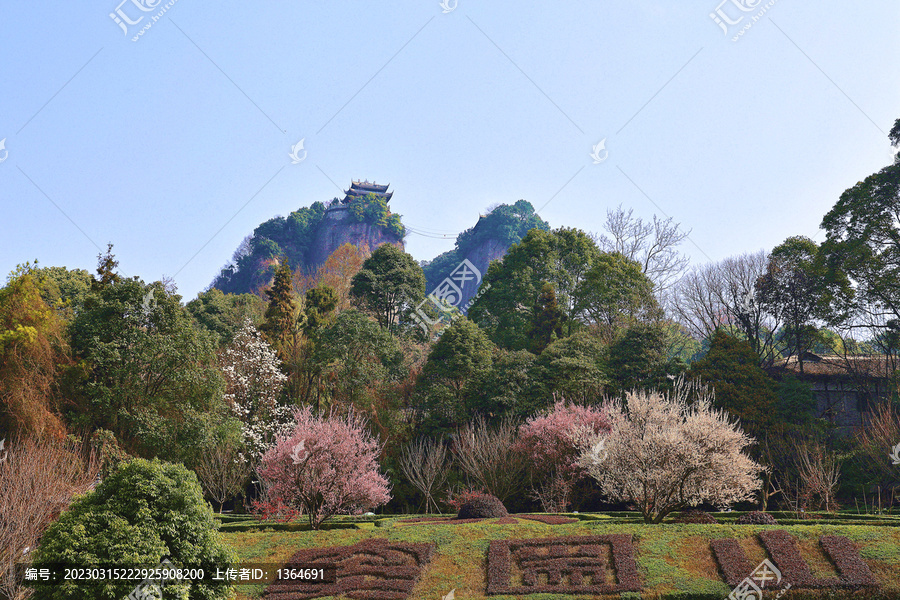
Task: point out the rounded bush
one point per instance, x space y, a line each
697 517
482 507
146 511
756 518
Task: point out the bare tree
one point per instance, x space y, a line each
37 482
723 294
820 473
488 457
222 472
653 245
426 465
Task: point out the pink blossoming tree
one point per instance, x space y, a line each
554 442
324 466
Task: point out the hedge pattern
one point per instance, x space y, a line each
373 569
572 565
732 559
785 553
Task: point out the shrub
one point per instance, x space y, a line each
144 512
756 518
697 517
483 506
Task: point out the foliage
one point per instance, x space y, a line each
324 466
664 454
224 314
637 359
560 258
506 224
553 444
353 357
281 325
144 371
32 350
389 283
319 306
510 387
337 273
796 403
64 289
142 513
373 209
756 518
458 361
615 294
741 386
292 237
546 320
574 368
254 380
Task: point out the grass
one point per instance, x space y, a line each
674 560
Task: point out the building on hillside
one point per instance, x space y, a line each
363 188
844 387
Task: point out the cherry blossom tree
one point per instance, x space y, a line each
553 442
664 454
254 381
324 466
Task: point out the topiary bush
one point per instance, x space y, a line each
484 506
756 518
696 516
144 512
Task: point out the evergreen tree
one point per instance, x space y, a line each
546 321
281 314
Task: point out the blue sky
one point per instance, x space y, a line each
175 146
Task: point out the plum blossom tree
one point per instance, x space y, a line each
553 442
324 466
663 454
254 381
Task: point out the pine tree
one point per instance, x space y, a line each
281 314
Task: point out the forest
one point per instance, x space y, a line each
586 357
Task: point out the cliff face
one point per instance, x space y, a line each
481 256
337 229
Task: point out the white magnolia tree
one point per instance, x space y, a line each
663 455
254 381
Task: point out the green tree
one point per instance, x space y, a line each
863 243
797 288
106 269
741 386
573 369
389 283
460 357
280 325
144 512
616 294
561 258
511 387
546 321
353 357
637 359
144 371
224 314
321 302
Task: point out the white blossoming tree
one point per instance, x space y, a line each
663 455
254 380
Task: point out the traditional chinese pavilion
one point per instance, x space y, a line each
361 188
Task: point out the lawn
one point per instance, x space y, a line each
673 560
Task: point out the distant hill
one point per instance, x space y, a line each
309 235
488 240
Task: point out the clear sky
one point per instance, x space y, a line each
175 146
